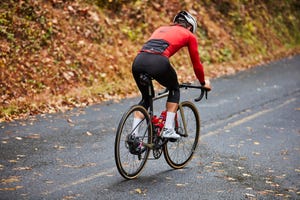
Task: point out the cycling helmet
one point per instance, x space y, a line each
188 18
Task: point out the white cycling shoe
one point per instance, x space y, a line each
170 133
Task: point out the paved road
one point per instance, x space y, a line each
249 149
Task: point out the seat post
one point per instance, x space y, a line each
147 80
151 95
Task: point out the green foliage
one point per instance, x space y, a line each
134 34
225 55
205 56
8 111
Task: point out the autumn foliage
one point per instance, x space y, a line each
58 54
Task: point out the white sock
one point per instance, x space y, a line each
135 129
170 120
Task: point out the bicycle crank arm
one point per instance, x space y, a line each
151 146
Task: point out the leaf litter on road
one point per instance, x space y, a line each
11 179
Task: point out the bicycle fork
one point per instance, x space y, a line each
183 120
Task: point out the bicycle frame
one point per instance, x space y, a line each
165 93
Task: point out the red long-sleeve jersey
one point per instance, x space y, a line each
177 37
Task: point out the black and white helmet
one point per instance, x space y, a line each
188 18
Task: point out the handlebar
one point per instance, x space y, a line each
186 86
203 90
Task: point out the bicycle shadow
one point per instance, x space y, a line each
147 181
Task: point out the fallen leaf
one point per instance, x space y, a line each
243 158
89 133
281 176
228 178
263 192
279 195
246 175
284 152
248 195
138 190
34 136
180 185
256 143
22 168
109 175
49 182
11 189
11 179
217 163
59 147
70 122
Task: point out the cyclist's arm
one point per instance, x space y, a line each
195 58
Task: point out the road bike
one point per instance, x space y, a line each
132 152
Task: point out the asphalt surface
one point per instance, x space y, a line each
249 147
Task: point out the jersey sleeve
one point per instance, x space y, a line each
195 58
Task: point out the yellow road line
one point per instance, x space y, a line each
246 119
80 181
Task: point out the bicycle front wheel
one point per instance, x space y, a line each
178 153
130 155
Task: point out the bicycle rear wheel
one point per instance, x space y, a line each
130 155
180 152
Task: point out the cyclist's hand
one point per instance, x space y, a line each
207 85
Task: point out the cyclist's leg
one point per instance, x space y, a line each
168 78
137 69
171 110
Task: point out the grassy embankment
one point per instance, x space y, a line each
55 55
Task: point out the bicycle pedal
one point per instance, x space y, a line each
172 140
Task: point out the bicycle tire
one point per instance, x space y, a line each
130 165
178 153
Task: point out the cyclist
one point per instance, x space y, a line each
153 59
